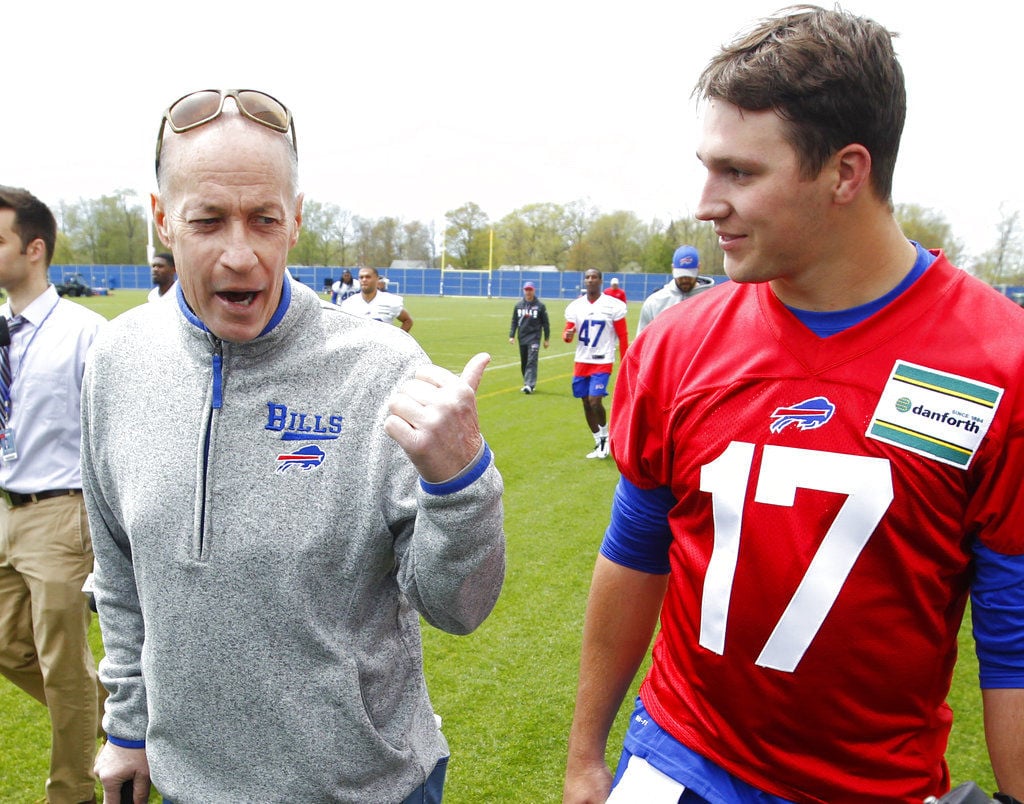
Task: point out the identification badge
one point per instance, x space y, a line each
938 415
8 450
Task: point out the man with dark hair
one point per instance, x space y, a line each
164 276
45 549
343 288
820 461
599 322
262 631
373 301
530 321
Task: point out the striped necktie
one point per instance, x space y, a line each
12 326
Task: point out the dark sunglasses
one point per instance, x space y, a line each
199 108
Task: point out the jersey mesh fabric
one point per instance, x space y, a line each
596 339
848 704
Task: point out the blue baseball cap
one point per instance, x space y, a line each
685 262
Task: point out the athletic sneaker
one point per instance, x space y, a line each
600 450
526 389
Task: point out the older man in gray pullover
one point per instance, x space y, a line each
261 630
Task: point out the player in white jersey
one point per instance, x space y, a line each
376 304
343 288
599 321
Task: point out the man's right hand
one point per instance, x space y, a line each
586 783
116 765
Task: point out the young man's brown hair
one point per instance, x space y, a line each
32 218
833 77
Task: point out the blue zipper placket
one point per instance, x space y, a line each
217 388
216 402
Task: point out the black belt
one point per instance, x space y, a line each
13 499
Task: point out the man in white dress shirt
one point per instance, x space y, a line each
45 548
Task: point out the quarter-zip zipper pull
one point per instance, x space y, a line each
218 377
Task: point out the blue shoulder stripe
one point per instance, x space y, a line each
638 534
997 612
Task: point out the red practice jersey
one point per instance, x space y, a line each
828 494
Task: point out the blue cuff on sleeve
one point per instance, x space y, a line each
638 534
997 611
125 743
463 479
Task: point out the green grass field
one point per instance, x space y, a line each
505 692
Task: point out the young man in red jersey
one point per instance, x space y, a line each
820 461
613 289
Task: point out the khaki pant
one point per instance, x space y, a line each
45 556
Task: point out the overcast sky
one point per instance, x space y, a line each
411 109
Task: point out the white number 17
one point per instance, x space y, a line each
867 482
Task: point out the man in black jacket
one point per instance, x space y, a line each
530 317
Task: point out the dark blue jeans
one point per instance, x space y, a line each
431 790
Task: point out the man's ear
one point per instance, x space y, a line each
160 220
853 173
298 221
36 251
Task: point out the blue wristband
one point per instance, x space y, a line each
125 743
461 480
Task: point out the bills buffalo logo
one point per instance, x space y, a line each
300 425
304 458
807 415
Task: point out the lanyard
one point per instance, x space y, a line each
24 352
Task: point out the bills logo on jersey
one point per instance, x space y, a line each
304 458
807 415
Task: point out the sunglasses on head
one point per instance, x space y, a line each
199 108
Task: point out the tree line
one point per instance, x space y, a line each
111 230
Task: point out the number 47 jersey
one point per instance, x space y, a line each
829 494
594 322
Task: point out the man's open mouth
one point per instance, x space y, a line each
238 297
